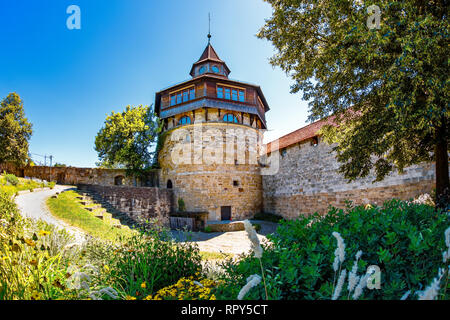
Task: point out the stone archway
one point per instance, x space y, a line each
118 180
169 184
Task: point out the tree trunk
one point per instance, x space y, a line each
442 180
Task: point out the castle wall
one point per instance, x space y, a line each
308 181
74 176
212 175
138 203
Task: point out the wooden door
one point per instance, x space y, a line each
225 213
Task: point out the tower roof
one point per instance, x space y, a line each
209 55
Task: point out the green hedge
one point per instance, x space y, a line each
405 240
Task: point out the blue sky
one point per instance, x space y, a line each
125 52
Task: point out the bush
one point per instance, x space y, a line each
151 261
405 240
181 205
12 179
32 262
187 289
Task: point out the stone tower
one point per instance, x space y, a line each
212 134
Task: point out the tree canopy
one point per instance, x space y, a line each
387 87
15 131
126 139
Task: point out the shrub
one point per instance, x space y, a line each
51 184
12 179
405 240
181 205
32 262
268 217
152 259
187 289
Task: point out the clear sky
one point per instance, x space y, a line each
125 52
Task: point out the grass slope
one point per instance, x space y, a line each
67 208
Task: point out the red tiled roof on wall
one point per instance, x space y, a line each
299 135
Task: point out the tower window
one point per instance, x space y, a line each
215 69
220 92
192 94
230 118
173 100
202 70
241 96
235 183
227 93
169 184
179 98
234 95
184 120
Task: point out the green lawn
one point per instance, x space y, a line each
67 208
24 184
207 255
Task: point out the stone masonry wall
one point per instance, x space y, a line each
308 181
74 176
138 202
210 182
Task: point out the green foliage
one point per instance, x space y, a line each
181 205
15 130
12 179
387 87
159 145
405 240
154 259
32 262
268 217
126 138
256 226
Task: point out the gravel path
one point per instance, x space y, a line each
32 205
235 242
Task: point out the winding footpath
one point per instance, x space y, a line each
33 205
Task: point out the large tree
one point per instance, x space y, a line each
126 139
387 86
15 131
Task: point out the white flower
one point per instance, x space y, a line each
432 290
406 295
360 287
446 254
338 289
339 253
253 237
353 277
252 281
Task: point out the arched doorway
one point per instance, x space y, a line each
118 181
169 184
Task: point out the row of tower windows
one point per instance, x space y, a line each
222 93
230 94
229 117
182 96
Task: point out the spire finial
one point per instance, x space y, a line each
209 27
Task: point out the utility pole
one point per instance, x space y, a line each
45 160
51 158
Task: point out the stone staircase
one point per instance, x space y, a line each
103 210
